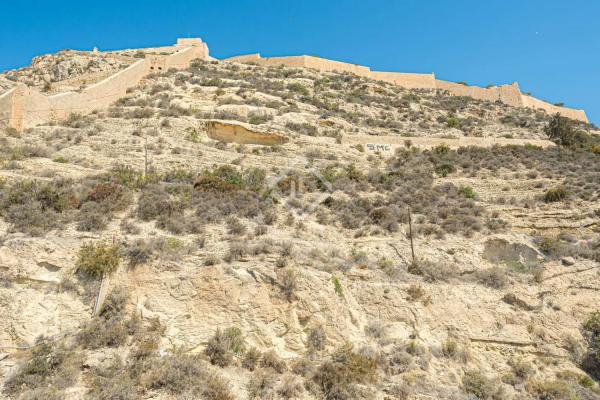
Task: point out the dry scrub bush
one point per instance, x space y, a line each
336 378
407 182
550 389
271 360
316 339
48 370
186 375
430 271
591 361
289 283
110 328
261 384
484 388
251 358
35 208
375 329
452 349
556 247
290 387
223 345
494 277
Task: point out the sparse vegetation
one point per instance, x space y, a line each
223 345
591 361
336 378
298 240
48 370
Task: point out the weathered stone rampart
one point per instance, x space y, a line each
409 81
508 94
6 101
532 102
24 107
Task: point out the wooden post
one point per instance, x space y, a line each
412 247
145 157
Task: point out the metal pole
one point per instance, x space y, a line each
412 247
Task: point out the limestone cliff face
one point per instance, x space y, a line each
300 244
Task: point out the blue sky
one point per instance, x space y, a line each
551 47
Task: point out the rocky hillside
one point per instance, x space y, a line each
140 259
65 70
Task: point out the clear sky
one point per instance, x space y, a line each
551 47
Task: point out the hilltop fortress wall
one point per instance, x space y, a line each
24 107
508 94
532 102
409 81
6 101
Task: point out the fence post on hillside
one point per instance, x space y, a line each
412 247
145 156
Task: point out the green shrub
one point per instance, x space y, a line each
593 323
452 122
441 149
60 159
467 192
560 131
555 194
337 286
444 169
96 259
298 88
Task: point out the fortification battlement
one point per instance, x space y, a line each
23 107
508 94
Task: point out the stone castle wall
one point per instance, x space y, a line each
25 107
409 81
532 102
508 94
6 101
